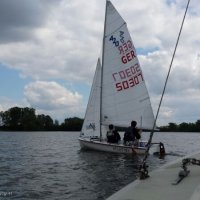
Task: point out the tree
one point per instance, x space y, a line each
72 124
25 119
172 126
183 127
197 125
12 118
28 119
44 122
1 120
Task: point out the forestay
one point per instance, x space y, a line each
124 93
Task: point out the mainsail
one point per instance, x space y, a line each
124 93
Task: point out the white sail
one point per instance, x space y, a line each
91 125
124 93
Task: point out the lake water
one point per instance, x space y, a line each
50 165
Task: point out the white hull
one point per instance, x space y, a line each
159 185
87 143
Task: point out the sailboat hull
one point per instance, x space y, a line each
87 143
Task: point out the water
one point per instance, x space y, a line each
50 165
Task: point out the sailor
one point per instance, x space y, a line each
112 135
132 135
117 137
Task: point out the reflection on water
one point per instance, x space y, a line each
50 165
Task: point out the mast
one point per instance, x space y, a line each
103 47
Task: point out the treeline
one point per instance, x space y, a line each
183 127
25 119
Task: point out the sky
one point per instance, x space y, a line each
49 50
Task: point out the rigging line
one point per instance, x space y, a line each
154 125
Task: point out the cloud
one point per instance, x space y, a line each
19 18
7 103
180 108
53 99
58 46
61 40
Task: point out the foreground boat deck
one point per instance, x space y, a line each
159 186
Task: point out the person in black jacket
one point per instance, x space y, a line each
113 135
132 134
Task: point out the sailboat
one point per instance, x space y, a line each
118 93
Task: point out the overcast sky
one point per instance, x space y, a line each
49 50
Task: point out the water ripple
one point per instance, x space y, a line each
50 165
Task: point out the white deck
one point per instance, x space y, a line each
159 185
